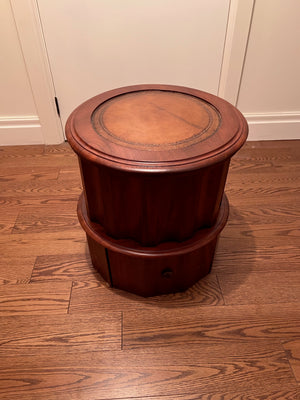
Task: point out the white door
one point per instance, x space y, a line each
98 45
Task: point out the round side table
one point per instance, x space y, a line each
154 161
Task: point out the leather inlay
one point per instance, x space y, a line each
155 120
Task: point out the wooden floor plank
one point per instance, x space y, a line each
247 255
252 368
266 156
67 202
205 292
28 335
45 243
281 146
66 267
260 201
43 188
45 220
260 288
69 174
25 174
285 191
16 269
233 336
21 151
266 213
56 160
261 222
176 327
290 231
292 394
260 180
292 348
35 298
268 166
62 148
7 221
263 160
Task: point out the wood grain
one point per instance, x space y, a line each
205 292
292 348
63 148
260 288
60 160
67 267
248 165
283 189
18 174
45 220
67 202
35 188
37 298
7 221
147 211
111 345
267 213
258 256
110 375
292 394
24 335
231 324
68 175
39 244
16 269
21 151
266 157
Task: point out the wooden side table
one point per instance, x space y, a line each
154 161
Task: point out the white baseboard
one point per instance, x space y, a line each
20 130
274 126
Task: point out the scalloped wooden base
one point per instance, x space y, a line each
148 271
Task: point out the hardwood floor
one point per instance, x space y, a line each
65 335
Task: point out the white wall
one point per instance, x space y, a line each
19 123
27 108
94 46
269 86
269 94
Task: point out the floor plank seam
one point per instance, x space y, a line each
31 275
71 291
235 335
14 224
122 331
221 291
288 357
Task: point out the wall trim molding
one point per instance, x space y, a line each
260 118
235 48
20 130
26 16
273 126
20 122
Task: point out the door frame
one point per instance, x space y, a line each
29 28
235 48
28 25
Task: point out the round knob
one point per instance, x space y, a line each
167 273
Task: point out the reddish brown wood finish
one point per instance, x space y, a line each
154 159
152 209
148 271
92 140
